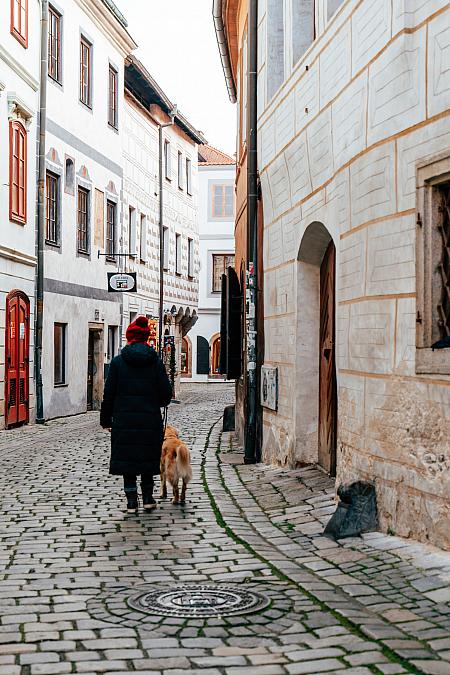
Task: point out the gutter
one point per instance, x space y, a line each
219 27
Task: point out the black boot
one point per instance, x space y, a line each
147 496
132 500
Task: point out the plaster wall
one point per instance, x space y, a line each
19 82
76 283
338 145
215 236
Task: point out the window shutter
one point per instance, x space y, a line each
202 356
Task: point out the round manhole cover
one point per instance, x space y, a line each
189 601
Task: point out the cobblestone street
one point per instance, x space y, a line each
71 558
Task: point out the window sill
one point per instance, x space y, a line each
113 127
178 274
84 254
88 106
17 219
61 386
53 244
54 80
429 362
110 261
191 277
20 38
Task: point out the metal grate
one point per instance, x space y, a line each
443 307
191 601
21 391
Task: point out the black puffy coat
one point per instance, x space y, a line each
137 387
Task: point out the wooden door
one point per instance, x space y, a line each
90 371
327 367
17 352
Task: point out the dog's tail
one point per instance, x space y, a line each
183 463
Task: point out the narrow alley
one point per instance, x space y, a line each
84 586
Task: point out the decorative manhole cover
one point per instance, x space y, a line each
190 601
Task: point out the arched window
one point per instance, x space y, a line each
185 357
215 356
17 172
70 176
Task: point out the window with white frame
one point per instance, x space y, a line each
143 239
178 253
303 27
132 231
168 160
166 248
180 170
188 176
190 257
59 354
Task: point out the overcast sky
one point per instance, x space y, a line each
177 45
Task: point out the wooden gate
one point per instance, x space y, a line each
17 354
327 367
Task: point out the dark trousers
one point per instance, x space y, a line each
129 482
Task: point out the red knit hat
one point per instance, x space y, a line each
138 330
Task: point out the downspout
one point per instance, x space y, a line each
41 216
161 228
252 440
222 42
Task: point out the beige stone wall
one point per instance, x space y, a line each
338 145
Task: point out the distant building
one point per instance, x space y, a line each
19 110
201 348
88 43
353 134
146 106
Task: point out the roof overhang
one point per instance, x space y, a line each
219 11
145 88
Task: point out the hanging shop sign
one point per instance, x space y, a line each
153 337
119 282
269 387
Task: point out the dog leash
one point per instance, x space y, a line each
164 416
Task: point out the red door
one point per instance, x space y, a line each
17 348
327 368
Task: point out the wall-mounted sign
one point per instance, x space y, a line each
269 387
120 282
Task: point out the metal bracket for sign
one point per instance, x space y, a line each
114 255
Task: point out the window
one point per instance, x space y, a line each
222 201
166 248
19 20
180 170
85 72
178 253
112 97
70 175
433 267
133 315
188 176
54 44
332 6
17 172
303 27
275 46
59 353
112 343
111 210
82 220
168 160
131 232
190 257
220 264
52 196
143 239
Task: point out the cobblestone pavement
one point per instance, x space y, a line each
71 558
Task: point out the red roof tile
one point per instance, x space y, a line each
207 154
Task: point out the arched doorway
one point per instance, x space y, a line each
316 417
186 358
215 356
17 358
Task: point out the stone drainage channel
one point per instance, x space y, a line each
266 608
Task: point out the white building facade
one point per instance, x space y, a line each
354 158
201 348
146 107
19 110
88 43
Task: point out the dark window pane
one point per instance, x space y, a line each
59 353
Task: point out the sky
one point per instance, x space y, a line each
177 45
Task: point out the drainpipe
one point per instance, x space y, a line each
252 441
161 228
41 216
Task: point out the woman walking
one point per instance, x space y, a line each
136 389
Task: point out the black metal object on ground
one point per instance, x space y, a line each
195 600
229 418
356 512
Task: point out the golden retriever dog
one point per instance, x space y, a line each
175 465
